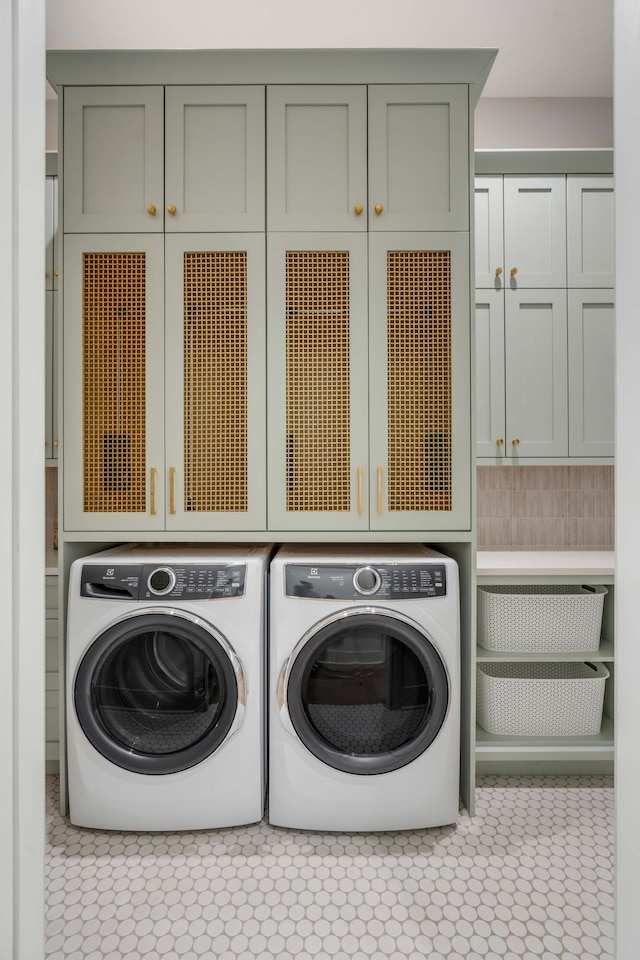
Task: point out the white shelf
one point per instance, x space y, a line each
604 653
501 748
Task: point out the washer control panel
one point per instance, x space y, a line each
388 581
192 581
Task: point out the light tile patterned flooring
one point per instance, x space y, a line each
530 877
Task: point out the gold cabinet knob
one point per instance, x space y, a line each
56 273
172 209
498 271
515 442
151 209
378 209
500 442
513 271
358 209
55 443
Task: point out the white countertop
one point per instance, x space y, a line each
531 563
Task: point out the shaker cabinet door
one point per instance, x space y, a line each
590 232
317 158
418 157
591 373
113 159
535 233
490 374
214 163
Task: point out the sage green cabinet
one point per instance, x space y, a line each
368 397
590 232
522 378
377 158
52 676
591 373
521 232
50 376
50 232
116 177
164 380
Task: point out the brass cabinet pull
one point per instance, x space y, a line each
378 209
172 490
151 209
152 491
360 491
358 209
172 209
379 490
513 271
515 442
499 441
498 271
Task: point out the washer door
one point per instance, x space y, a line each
366 691
158 691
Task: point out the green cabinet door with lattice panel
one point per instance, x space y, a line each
113 159
418 149
114 383
419 384
317 384
215 382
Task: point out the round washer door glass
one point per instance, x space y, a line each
156 693
367 693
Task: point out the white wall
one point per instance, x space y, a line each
627 149
22 481
513 123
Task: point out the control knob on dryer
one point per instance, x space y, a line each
161 581
366 580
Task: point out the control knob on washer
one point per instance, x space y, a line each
161 581
366 580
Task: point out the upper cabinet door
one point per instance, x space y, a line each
214 174
590 232
113 159
418 157
535 234
317 158
591 373
490 409
489 232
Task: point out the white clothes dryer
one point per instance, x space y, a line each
165 687
364 684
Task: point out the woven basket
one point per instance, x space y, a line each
541 699
540 619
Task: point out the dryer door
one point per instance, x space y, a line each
366 691
158 691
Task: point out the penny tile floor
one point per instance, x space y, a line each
529 877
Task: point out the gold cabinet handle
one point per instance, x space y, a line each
172 490
379 490
55 443
151 209
358 209
152 491
515 442
360 491
498 271
378 209
513 271
172 209
500 442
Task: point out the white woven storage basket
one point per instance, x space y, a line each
541 699
540 619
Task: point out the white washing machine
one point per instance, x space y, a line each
364 685
165 687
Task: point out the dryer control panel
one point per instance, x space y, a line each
388 581
192 581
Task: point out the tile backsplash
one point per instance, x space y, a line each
545 508
50 505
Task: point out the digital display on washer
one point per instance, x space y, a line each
126 581
390 581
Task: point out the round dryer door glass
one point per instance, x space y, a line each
367 693
157 693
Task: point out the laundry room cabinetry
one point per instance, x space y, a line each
367 158
571 754
51 312
544 335
118 177
164 382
